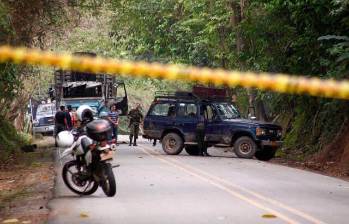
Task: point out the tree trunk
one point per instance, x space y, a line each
223 46
234 22
237 15
261 112
238 9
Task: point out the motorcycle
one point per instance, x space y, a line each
93 153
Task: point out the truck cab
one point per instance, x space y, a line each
99 91
173 118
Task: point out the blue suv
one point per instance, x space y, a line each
173 119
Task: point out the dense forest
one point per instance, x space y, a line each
308 37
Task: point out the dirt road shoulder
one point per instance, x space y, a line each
27 186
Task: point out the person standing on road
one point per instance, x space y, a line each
60 120
135 115
69 114
200 133
113 117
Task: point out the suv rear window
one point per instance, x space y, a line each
163 109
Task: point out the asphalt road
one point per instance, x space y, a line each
156 188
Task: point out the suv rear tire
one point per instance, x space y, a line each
245 147
172 144
192 150
265 154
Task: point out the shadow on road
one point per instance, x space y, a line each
78 197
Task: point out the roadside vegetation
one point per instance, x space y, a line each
23 23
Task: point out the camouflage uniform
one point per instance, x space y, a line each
136 118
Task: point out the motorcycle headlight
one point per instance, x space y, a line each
260 131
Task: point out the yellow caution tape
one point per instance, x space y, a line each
265 81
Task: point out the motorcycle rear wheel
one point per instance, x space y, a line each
108 183
89 188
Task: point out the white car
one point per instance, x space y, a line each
44 122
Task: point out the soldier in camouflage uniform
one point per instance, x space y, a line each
136 117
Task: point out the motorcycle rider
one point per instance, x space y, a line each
85 115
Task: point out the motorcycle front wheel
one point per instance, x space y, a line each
108 182
74 179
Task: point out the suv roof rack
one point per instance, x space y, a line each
176 95
211 93
184 95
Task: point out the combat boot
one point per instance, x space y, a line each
131 137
